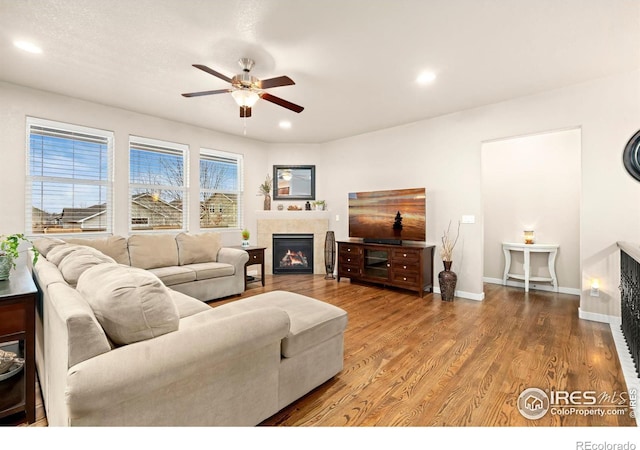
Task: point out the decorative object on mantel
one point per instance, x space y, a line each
245 237
9 253
447 278
294 208
318 205
307 206
528 236
265 190
330 255
280 207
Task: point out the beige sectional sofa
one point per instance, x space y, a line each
116 346
194 264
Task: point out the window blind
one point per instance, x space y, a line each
69 178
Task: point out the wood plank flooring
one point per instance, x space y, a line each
424 362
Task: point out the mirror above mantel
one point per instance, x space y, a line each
294 182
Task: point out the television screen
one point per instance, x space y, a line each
388 216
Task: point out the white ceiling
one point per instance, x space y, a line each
354 61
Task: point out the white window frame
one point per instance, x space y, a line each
239 191
161 145
64 129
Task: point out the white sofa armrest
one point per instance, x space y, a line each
235 257
182 358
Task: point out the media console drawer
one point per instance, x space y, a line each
404 266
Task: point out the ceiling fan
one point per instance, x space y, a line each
247 89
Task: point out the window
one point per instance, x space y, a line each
220 189
157 184
69 178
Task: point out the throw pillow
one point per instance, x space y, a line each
198 248
58 253
131 304
76 262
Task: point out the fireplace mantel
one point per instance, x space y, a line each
276 222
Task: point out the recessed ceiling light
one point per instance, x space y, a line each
28 47
426 78
285 124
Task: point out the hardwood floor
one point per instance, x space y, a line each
413 361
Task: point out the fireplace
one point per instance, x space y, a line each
292 253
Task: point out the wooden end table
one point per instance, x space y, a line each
256 256
17 334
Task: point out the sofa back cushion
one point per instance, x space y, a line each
59 252
198 248
130 303
45 244
148 251
85 337
113 246
76 262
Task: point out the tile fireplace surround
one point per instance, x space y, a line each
276 222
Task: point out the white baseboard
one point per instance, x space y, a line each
626 362
537 287
597 317
463 294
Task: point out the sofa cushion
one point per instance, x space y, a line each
57 253
204 271
174 275
113 246
198 248
187 306
76 262
45 244
312 321
148 251
130 303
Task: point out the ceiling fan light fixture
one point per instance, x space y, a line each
245 97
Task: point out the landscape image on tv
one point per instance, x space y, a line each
388 215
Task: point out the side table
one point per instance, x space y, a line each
17 334
527 249
256 256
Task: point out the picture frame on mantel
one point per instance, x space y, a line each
294 182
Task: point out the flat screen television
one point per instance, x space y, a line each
388 217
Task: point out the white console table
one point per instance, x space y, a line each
527 249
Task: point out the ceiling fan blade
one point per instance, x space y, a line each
275 82
198 94
280 102
212 72
245 111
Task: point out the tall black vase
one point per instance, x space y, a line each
329 255
448 281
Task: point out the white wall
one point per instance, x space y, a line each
533 183
16 103
443 155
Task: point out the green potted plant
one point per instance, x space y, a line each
9 253
318 205
245 237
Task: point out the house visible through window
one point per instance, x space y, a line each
157 184
220 189
69 179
